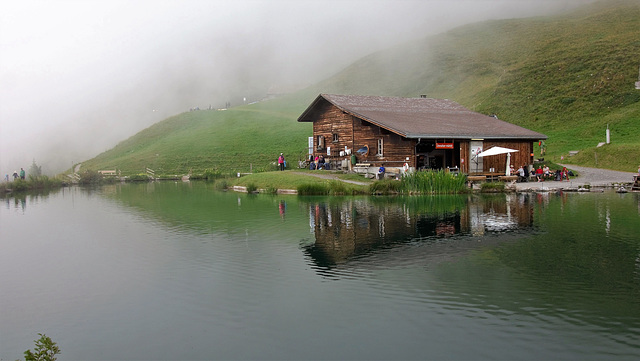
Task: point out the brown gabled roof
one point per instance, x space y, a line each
421 117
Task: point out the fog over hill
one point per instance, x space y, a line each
78 77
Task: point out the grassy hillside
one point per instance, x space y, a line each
567 76
234 140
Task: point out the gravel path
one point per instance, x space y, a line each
593 176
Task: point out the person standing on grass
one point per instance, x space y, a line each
281 161
22 174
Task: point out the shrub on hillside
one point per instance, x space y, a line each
211 174
91 177
142 177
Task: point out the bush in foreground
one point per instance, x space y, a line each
141 177
489 187
44 182
45 350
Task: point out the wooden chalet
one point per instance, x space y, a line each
424 133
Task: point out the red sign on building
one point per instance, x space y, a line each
444 145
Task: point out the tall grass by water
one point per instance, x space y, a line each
42 182
331 187
425 182
433 182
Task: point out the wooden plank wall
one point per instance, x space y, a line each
331 121
464 154
355 133
499 162
395 148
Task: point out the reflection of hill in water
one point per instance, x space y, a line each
444 228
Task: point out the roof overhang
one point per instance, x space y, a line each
308 116
472 137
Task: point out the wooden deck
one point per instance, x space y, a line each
491 177
488 176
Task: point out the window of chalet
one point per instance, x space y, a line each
320 144
335 137
379 151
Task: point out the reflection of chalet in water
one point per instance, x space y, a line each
354 228
422 132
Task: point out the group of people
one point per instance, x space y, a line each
16 175
314 163
542 173
317 163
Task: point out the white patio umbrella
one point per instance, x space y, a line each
500 150
496 151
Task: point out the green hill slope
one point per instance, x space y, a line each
238 139
567 76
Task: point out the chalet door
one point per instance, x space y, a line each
475 164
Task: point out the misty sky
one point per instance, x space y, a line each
77 77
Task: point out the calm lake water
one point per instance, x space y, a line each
179 271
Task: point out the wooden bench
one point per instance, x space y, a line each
108 172
391 175
508 178
361 168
